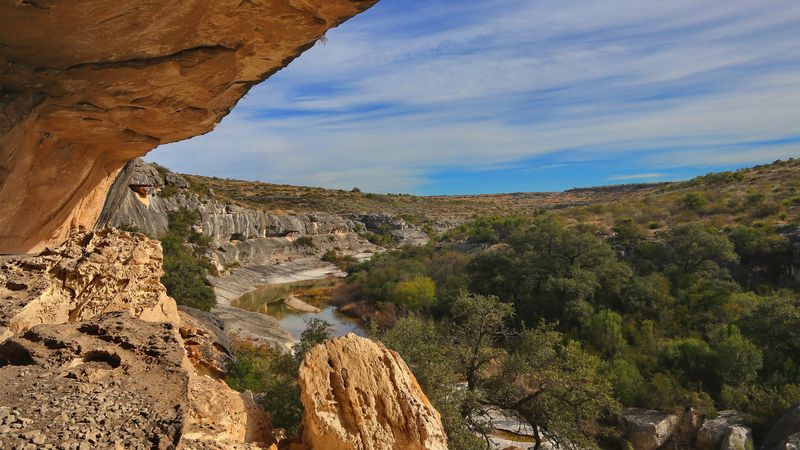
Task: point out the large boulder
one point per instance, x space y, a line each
726 430
785 432
94 354
122 78
358 395
646 429
91 273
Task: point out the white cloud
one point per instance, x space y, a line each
416 87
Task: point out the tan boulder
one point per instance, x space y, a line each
296 304
358 395
89 274
219 415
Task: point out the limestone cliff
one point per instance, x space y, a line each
358 395
87 85
142 196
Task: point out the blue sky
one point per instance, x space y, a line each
482 96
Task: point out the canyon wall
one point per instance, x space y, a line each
143 196
87 85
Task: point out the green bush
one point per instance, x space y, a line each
416 294
272 372
185 265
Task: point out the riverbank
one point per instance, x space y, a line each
254 326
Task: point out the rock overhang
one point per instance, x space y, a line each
87 85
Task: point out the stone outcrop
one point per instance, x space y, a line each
358 395
727 430
646 429
83 371
205 341
240 235
91 273
122 78
402 231
110 381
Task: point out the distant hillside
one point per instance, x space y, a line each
767 194
762 193
432 210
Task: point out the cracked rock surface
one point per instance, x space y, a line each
359 395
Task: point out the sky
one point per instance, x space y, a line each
487 96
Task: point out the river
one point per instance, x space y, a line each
269 300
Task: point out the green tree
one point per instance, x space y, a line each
736 359
185 265
316 332
692 249
628 383
478 321
556 387
690 357
774 326
604 332
429 355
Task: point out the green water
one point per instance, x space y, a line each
269 300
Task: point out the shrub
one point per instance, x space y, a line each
185 265
694 201
304 241
272 372
416 294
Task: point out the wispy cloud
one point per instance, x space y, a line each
413 89
637 176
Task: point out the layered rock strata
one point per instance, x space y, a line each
358 395
142 197
122 78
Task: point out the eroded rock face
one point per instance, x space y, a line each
358 395
240 235
646 429
91 273
112 380
205 341
122 78
81 370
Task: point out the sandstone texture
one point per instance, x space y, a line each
358 395
91 273
205 341
648 430
83 370
88 85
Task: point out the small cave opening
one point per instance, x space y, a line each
14 354
16 287
103 358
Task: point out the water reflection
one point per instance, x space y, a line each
269 300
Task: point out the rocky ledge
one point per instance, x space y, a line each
93 354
